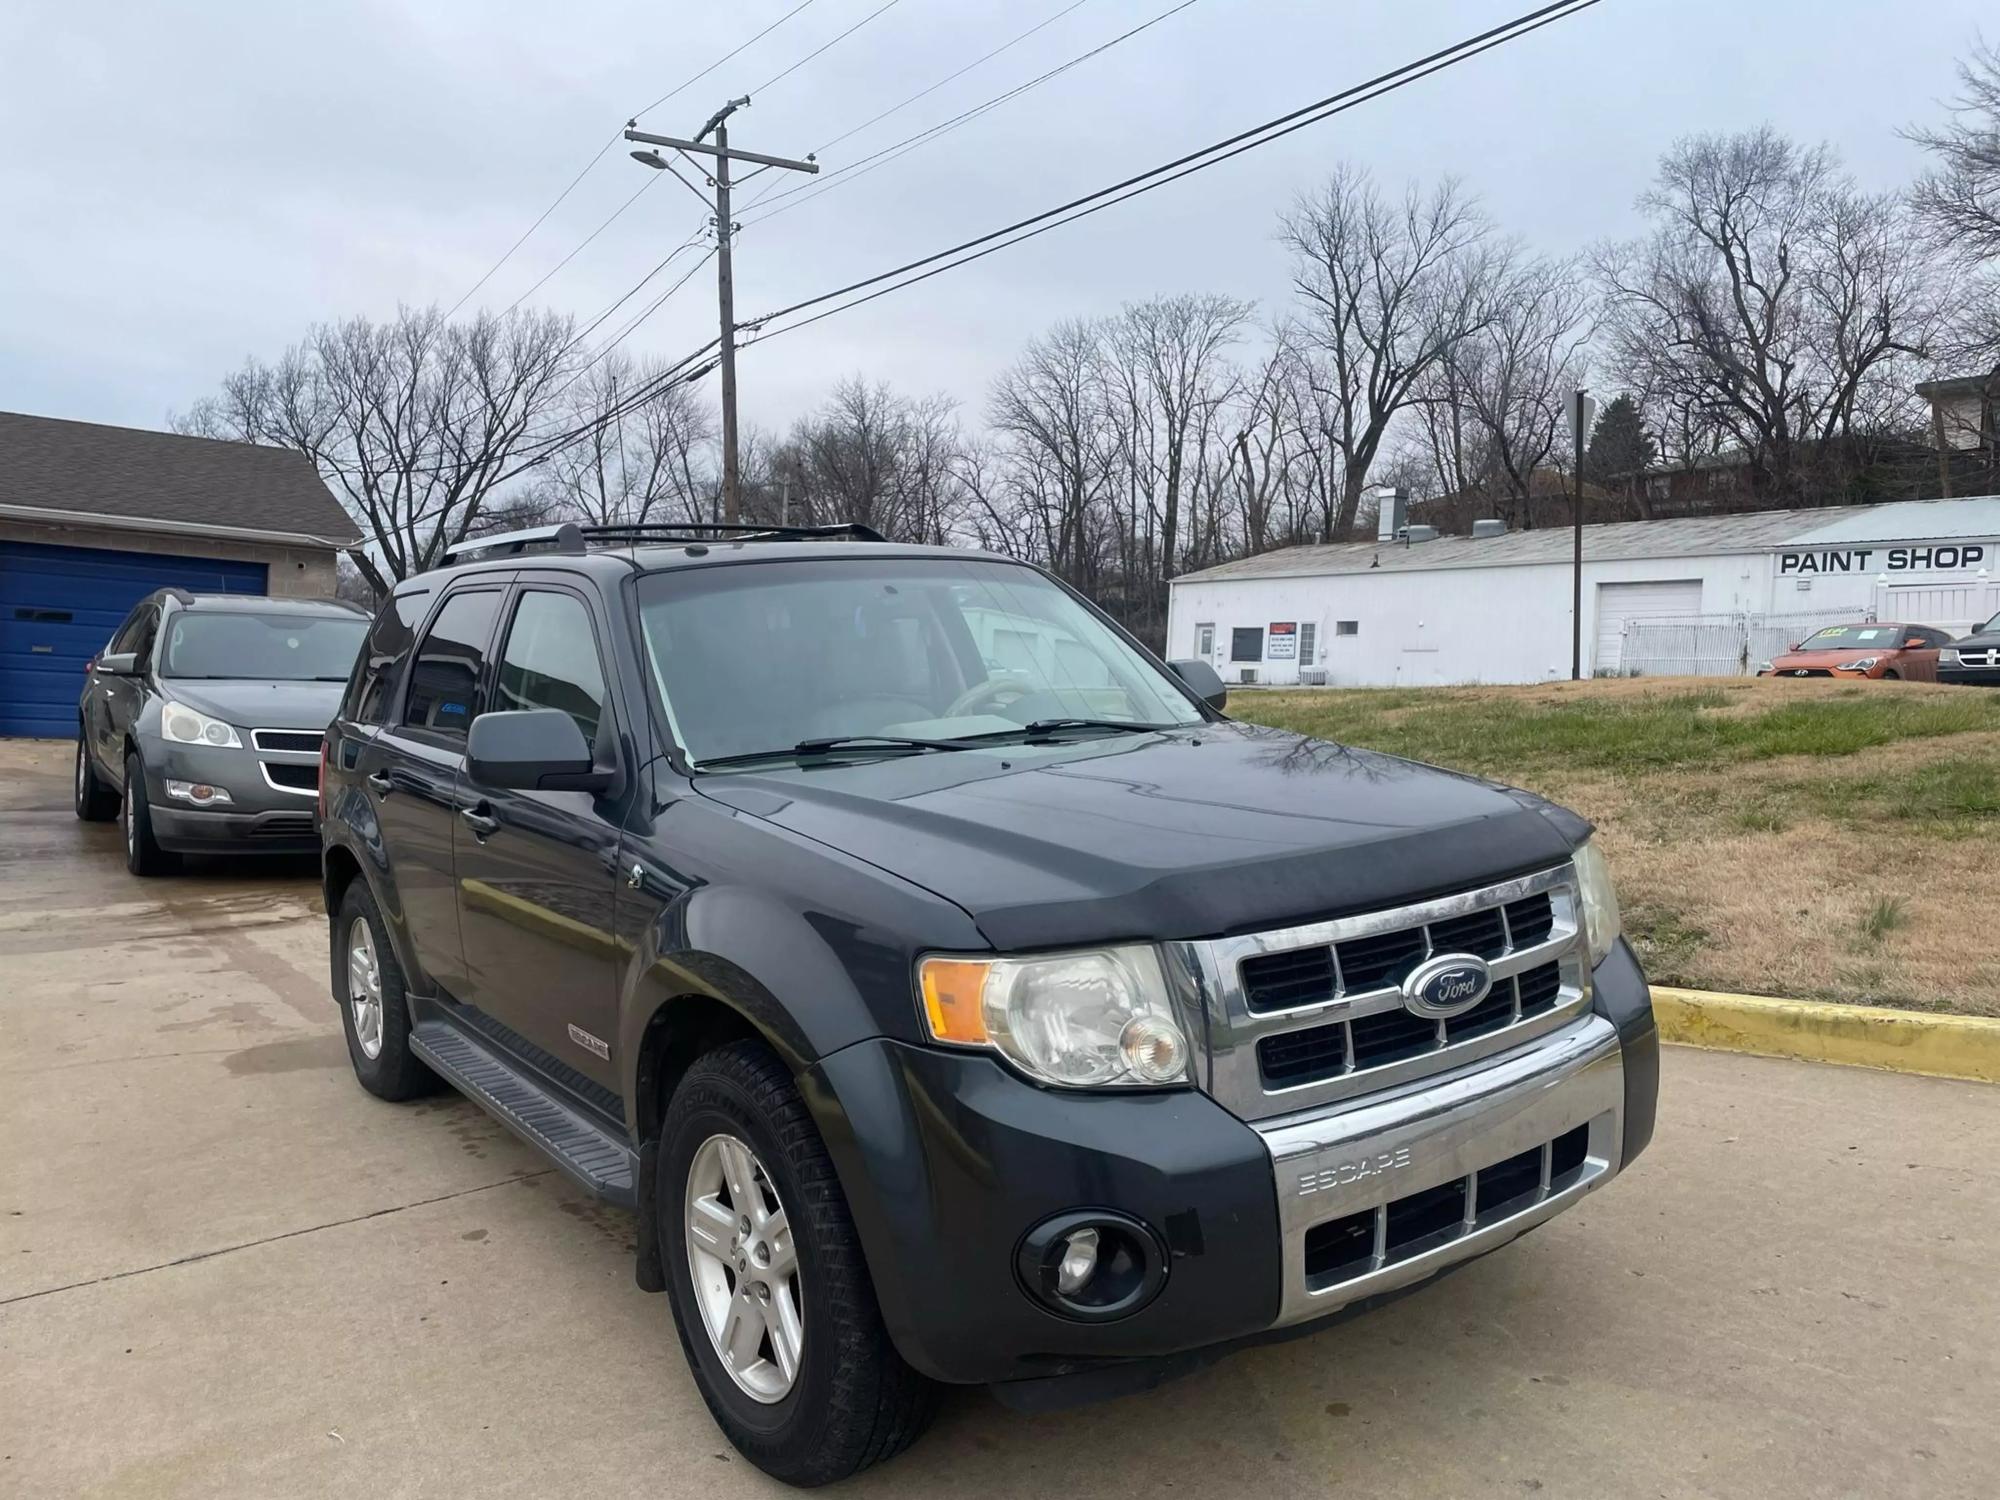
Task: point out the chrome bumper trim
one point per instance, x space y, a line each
1365 1155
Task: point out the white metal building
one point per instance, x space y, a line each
1714 595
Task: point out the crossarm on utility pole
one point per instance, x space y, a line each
725 269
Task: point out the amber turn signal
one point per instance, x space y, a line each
953 990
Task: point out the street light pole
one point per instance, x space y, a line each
725 234
1581 410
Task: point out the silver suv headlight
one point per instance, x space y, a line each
190 726
1095 1018
1599 900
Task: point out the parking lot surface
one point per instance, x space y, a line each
224 1270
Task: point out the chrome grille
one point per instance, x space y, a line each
1984 656
1312 1014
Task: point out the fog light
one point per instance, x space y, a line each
1092 1265
1078 1263
198 792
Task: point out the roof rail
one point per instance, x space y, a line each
567 537
728 531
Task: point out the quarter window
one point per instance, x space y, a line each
389 642
444 684
551 661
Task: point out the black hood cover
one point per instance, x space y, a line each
1226 828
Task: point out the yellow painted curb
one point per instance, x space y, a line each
1861 1036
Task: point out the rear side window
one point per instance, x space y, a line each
551 661
382 658
444 682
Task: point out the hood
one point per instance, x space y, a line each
1979 640
260 705
1792 661
1227 828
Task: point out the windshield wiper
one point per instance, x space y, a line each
885 744
1038 728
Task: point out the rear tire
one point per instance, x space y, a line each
849 1400
95 802
1892 676
143 854
374 1001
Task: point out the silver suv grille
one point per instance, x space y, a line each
1983 656
1306 1015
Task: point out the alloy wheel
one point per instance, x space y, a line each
364 988
745 1268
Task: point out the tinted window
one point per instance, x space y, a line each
444 683
389 643
551 661
1246 643
261 647
127 638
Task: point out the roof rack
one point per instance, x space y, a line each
569 537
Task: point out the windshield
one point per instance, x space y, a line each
763 657
261 647
1850 637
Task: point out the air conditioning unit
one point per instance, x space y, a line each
1313 676
1248 674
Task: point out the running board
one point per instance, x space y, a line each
597 1160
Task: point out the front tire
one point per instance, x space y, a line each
143 854
95 802
771 1295
374 1002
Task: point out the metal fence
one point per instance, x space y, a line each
1732 645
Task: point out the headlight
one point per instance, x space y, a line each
187 726
1099 1018
1600 903
1763 667
1863 665
1948 657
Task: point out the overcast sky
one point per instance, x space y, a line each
182 186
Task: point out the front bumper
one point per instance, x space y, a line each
1970 676
948 1160
259 817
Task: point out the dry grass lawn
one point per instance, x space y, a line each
1812 838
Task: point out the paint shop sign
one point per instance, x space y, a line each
1948 558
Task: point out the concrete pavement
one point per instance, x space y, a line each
224 1270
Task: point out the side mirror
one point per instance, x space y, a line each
537 749
118 663
1205 682
1793 647
1915 643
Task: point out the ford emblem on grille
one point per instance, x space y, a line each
1446 986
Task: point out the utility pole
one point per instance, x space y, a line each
1581 410
725 234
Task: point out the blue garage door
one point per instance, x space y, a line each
58 608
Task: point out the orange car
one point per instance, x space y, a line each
1871 650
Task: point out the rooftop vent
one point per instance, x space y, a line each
1493 527
1419 533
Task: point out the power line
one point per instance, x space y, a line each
543 216
924 93
1183 166
861 166
788 72
682 87
580 248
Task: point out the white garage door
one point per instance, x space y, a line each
1619 602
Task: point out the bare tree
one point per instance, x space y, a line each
876 457
644 450
1057 447
1387 292
415 423
1959 198
1772 300
1493 407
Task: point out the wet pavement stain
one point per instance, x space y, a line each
236 1013
293 1055
614 1224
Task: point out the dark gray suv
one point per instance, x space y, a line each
200 723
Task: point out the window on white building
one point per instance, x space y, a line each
1204 641
1308 642
1347 627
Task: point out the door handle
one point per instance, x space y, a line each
480 824
382 782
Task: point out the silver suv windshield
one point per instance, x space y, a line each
763 658
236 646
